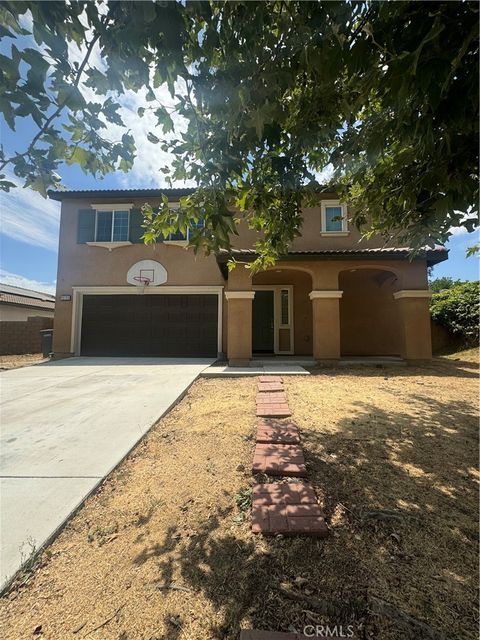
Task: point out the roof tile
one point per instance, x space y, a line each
25 301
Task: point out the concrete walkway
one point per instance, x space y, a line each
224 371
65 426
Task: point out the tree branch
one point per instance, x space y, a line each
60 107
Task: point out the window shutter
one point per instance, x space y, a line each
86 226
136 229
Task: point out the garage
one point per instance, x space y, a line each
167 325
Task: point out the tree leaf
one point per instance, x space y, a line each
151 137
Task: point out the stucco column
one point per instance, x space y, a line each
413 305
239 329
326 324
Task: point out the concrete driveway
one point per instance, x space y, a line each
64 426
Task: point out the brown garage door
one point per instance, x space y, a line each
150 325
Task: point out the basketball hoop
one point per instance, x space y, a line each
146 273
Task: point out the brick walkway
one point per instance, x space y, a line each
279 460
271 400
270 386
273 397
273 410
287 508
281 508
263 379
276 432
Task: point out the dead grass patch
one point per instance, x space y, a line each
393 456
17 361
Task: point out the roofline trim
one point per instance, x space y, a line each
29 306
329 254
138 193
117 193
27 293
432 256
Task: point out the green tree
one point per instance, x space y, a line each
272 93
457 309
440 284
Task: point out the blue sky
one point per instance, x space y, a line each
29 223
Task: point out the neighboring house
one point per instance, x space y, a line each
23 314
330 297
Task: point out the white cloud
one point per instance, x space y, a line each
460 231
26 21
149 157
26 216
325 175
15 280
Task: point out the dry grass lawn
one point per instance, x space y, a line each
17 361
392 454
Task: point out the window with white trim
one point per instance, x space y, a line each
334 217
285 307
178 236
112 226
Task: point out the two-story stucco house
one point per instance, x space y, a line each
330 297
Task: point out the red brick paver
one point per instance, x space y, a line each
273 410
270 386
273 519
278 508
288 509
279 460
271 378
271 398
276 432
283 493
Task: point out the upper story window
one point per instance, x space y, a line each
116 225
109 225
178 236
334 218
112 226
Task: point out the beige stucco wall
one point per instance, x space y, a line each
369 314
325 273
344 326
311 238
326 328
12 312
239 331
415 321
84 265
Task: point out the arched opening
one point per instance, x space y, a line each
369 320
282 312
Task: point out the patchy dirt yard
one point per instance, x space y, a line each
15 362
162 550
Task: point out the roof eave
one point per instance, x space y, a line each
432 257
28 306
120 193
138 193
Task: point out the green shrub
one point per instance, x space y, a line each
457 309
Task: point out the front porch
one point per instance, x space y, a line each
293 365
329 311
